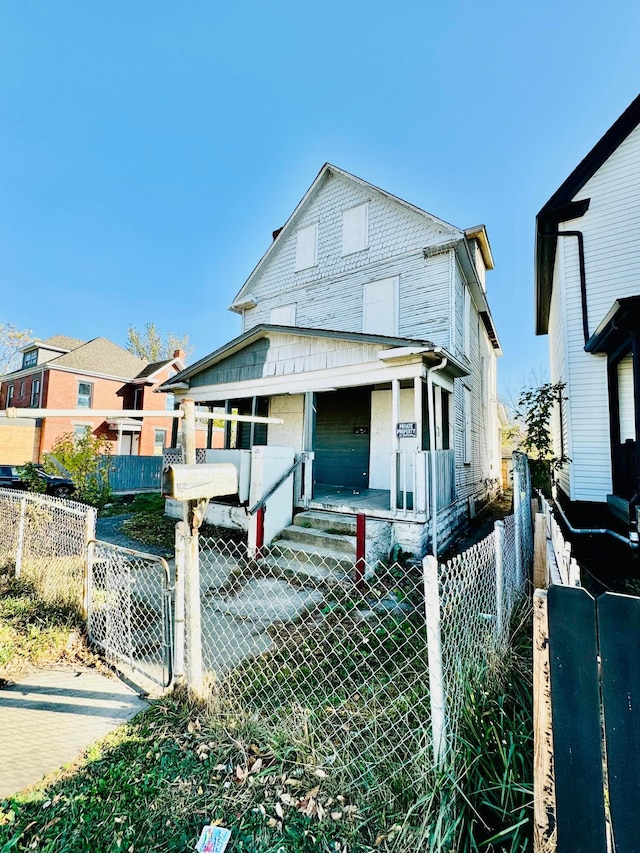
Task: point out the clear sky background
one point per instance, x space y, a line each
149 149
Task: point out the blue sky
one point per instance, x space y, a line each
149 149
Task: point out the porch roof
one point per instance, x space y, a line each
622 318
394 352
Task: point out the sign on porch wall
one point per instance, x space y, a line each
408 429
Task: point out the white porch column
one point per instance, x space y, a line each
417 398
119 444
395 417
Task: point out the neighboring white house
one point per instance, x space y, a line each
588 302
366 328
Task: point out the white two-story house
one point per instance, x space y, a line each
366 330
588 302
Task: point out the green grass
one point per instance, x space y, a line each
34 632
154 783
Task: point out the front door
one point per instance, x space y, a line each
343 420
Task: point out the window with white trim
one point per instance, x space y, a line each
35 393
85 395
30 358
380 307
355 229
307 247
10 395
81 430
159 441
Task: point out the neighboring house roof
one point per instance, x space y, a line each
150 371
265 329
99 356
60 342
561 207
103 357
326 170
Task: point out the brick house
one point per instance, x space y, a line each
65 373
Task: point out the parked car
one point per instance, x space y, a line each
60 487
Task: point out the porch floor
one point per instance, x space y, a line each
346 499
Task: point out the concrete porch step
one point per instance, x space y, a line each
296 564
316 538
330 522
317 555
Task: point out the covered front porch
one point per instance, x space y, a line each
369 419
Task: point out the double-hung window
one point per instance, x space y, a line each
30 358
35 393
85 395
10 395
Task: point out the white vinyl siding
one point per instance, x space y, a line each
307 247
283 315
611 229
355 229
380 307
627 400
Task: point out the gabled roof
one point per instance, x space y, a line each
265 329
149 372
56 342
289 225
103 357
561 207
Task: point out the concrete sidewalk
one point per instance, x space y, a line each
51 716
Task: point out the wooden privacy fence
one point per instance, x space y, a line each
134 473
587 721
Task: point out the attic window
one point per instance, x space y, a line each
355 229
30 358
306 247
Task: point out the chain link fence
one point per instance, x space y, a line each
288 639
130 610
332 661
341 667
45 540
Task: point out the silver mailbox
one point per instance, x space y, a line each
193 482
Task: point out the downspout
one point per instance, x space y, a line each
583 278
432 454
595 531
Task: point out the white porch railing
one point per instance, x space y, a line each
411 481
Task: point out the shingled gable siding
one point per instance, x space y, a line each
280 355
611 229
329 295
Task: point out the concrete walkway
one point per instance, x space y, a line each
50 717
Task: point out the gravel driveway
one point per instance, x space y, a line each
108 530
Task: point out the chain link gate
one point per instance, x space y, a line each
130 609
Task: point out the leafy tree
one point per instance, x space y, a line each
152 345
29 474
534 409
84 458
11 339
